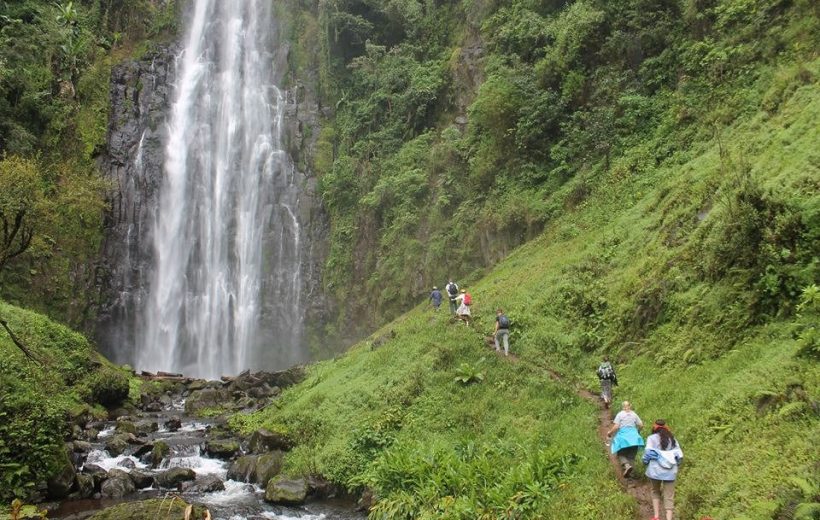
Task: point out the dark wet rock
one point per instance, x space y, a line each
141 479
159 452
222 449
263 440
284 378
206 484
147 510
243 469
156 406
322 488
173 477
268 465
85 486
144 450
243 403
82 446
116 445
173 424
197 384
61 482
91 434
146 427
126 427
117 485
97 473
260 392
206 398
281 490
127 464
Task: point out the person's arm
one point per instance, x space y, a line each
611 432
639 422
496 324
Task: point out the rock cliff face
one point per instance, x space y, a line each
141 94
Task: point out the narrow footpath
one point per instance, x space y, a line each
638 488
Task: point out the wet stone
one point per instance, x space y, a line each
174 476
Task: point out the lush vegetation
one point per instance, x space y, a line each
55 63
64 379
459 125
698 277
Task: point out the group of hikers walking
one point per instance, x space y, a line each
460 302
662 453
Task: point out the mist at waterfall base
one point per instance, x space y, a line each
225 289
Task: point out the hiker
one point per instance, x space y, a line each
662 458
606 374
463 312
628 439
452 292
435 297
502 330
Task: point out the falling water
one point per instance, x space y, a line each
225 291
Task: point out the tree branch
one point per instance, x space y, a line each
17 342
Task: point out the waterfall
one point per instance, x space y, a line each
225 283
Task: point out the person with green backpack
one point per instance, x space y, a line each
502 332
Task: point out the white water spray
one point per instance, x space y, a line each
225 290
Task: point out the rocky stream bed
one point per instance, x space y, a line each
163 454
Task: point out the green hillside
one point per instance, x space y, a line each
698 276
54 381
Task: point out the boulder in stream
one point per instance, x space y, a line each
97 473
243 469
206 398
159 452
281 490
85 486
141 479
174 423
118 485
263 440
268 465
206 484
175 476
222 449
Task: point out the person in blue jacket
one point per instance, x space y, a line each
662 458
627 441
435 297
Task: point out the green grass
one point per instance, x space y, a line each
657 266
40 399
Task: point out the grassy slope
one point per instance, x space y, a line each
39 399
742 402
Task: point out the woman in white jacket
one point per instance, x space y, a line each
662 458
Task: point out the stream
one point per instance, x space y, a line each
188 441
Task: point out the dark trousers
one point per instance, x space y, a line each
453 305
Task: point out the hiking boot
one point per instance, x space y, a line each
627 470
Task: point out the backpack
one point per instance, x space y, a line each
503 322
468 300
605 371
452 289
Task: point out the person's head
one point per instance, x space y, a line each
606 358
499 312
449 280
463 291
435 288
667 439
626 406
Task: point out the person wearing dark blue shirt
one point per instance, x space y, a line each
436 297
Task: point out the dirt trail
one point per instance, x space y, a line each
637 488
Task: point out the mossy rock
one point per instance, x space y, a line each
156 509
281 490
222 449
268 466
159 452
